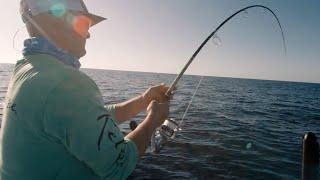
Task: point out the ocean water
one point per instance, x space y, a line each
235 128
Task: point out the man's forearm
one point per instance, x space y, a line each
126 110
142 134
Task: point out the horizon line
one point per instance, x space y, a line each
186 74
191 74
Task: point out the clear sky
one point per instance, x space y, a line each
159 36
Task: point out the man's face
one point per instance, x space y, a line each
68 31
77 28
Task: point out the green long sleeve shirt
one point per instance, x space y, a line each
55 126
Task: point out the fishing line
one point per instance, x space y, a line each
14 38
169 128
214 36
190 102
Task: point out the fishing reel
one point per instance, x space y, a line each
162 134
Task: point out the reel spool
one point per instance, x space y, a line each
169 127
164 133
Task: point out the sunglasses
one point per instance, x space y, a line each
79 22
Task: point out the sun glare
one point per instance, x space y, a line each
81 25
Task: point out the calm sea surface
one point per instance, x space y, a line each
235 128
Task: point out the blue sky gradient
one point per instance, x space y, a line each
160 36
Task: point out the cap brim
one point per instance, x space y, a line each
95 19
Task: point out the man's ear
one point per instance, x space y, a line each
26 16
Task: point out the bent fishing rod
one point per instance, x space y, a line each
169 128
175 82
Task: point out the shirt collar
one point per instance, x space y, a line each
42 45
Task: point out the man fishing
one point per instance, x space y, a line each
55 124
